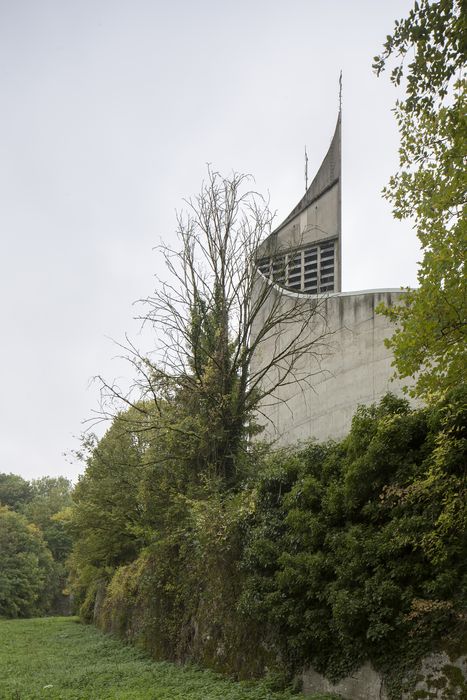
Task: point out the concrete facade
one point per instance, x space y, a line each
349 364
363 684
437 677
317 216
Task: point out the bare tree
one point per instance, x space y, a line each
215 315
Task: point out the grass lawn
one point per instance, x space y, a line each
59 658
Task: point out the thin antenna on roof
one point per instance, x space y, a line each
306 170
340 92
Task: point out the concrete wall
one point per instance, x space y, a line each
364 684
438 677
348 366
319 222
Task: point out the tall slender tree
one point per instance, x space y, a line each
212 314
429 49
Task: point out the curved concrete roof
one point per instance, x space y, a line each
328 295
317 216
327 176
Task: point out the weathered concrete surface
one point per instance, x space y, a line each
364 684
440 678
349 365
317 216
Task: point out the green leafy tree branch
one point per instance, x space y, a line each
430 49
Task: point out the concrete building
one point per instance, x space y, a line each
302 260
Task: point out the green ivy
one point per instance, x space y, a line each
357 550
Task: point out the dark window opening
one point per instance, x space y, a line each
307 270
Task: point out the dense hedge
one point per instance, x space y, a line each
358 549
330 554
179 598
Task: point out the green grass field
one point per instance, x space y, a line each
59 658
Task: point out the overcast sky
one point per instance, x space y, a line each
110 111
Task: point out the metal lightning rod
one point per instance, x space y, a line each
340 92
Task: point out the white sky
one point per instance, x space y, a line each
110 111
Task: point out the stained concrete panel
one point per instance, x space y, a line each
348 367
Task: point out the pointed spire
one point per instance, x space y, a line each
306 170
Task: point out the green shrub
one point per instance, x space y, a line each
26 567
178 599
357 550
330 555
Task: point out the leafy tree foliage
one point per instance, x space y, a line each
336 553
430 50
135 497
15 491
106 519
205 317
358 549
49 497
26 567
42 503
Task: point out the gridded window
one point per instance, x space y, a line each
279 269
294 271
310 270
326 267
264 266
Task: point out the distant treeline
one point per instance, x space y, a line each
34 545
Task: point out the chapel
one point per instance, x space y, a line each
302 260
